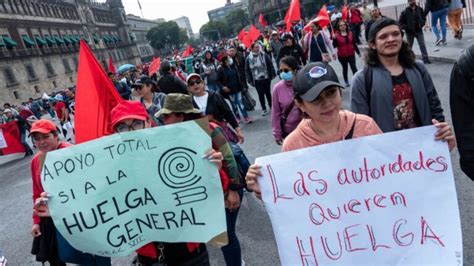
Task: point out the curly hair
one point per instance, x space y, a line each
406 56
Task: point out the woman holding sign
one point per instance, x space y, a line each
318 94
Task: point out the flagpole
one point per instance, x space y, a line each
140 6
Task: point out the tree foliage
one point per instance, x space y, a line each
229 26
237 19
166 35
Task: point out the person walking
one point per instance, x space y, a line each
439 12
275 44
346 46
317 45
169 82
232 86
412 21
376 15
291 48
454 17
285 114
260 73
355 21
209 71
22 127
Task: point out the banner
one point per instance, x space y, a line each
11 135
112 195
3 143
388 199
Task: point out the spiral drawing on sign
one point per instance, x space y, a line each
176 168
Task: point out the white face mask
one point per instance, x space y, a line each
230 61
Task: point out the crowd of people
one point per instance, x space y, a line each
392 92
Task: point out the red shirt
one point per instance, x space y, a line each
36 164
59 112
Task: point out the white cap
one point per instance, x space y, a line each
193 75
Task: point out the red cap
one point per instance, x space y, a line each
127 110
43 126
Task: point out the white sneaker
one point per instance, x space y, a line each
3 261
265 112
243 263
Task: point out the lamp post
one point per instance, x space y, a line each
376 3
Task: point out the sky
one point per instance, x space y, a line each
195 10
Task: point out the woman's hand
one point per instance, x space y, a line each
35 230
41 208
215 157
232 201
279 141
444 133
251 178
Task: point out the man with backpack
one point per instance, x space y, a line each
394 89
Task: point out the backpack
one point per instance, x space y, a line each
242 161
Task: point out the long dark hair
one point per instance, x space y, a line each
406 56
291 62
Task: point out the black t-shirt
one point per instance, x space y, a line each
404 109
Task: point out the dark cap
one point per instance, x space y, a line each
287 36
141 81
165 66
380 24
313 79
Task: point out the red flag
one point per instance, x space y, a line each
262 21
322 19
189 50
247 40
11 134
154 66
293 14
254 33
95 98
345 13
111 65
241 35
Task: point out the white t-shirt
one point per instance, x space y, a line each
201 102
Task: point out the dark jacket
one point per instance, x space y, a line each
226 75
412 20
239 61
435 5
270 69
296 51
218 108
462 108
123 89
170 83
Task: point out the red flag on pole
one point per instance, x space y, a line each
322 19
11 135
345 13
95 98
154 66
241 35
262 21
111 65
293 14
247 40
254 33
189 50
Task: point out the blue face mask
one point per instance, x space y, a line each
286 76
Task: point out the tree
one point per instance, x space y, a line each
237 19
214 30
166 35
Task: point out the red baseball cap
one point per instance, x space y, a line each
43 126
128 110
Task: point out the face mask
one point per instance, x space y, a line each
230 61
286 76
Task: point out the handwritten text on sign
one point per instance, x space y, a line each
113 195
380 200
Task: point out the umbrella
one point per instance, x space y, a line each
125 67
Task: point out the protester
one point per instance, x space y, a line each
291 48
48 244
24 112
346 46
317 45
376 15
355 21
285 114
366 16
394 89
239 60
213 105
260 73
275 44
196 64
9 106
209 71
462 108
170 83
121 86
439 12
179 108
412 21
70 99
61 112
454 17
152 100
232 86
22 127
35 107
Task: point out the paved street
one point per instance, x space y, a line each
254 228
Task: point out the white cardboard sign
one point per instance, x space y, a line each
3 143
388 199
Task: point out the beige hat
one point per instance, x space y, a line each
178 103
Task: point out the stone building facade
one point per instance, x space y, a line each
139 28
39 43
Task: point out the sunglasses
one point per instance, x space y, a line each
137 88
136 125
286 70
192 83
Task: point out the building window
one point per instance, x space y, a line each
49 69
17 96
66 65
55 85
37 89
74 59
10 76
30 71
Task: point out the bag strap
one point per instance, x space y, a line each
351 132
368 75
287 111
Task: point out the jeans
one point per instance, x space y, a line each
263 90
420 38
441 16
232 252
345 62
213 87
236 102
28 149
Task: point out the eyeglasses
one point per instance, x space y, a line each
192 83
137 88
286 70
136 125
